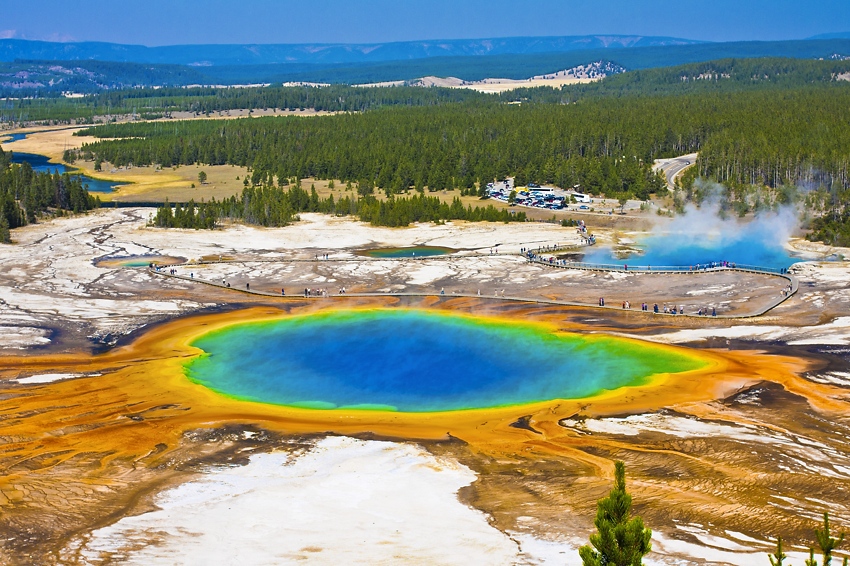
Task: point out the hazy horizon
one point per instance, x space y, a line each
179 22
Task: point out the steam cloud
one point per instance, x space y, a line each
706 227
705 234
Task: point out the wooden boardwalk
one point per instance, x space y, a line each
793 283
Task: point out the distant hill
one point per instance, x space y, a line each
522 66
839 35
30 78
52 77
318 53
725 75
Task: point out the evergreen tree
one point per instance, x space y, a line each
5 234
777 557
825 541
619 540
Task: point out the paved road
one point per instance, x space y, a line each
674 166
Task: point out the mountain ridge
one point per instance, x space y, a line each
320 53
36 78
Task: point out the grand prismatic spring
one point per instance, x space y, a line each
413 361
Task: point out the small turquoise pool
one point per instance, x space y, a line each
138 261
418 361
415 251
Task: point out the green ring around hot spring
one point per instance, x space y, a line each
420 361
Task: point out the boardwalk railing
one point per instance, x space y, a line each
719 267
625 267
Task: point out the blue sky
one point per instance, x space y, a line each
165 22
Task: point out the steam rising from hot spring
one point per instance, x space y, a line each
706 234
704 226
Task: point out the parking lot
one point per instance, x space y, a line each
554 198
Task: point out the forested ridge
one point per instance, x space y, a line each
26 194
51 78
725 75
604 144
401 148
721 76
150 103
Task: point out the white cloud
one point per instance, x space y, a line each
59 37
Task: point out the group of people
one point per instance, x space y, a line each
315 292
588 239
551 260
712 265
666 309
536 254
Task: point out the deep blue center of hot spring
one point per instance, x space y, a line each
683 250
416 361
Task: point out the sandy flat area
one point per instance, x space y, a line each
578 75
346 501
494 85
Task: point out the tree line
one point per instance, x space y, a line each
606 145
725 75
271 206
451 146
25 195
722 75
150 103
